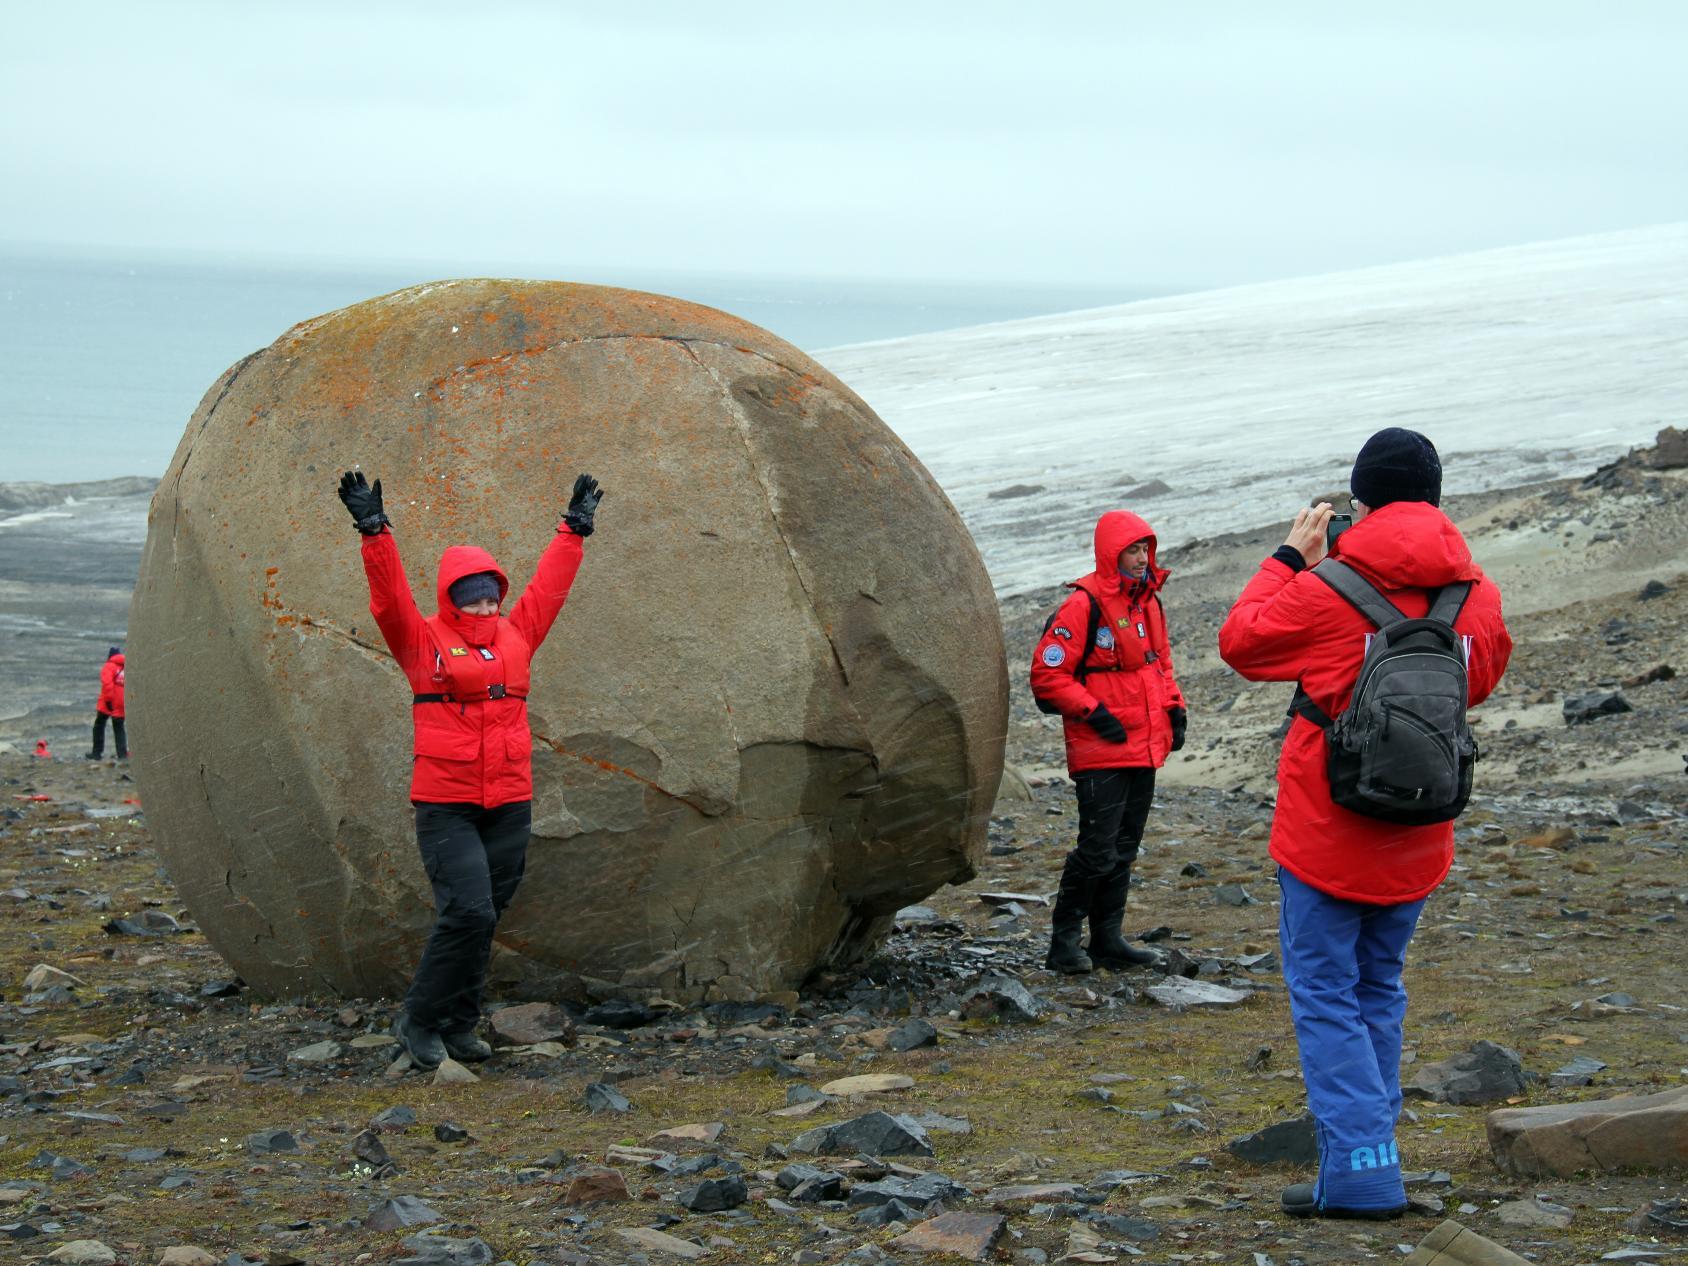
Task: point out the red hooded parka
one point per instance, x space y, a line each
1130 667
1292 626
475 748
111 687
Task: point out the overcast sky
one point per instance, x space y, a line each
1183 144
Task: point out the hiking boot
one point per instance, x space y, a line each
465 1047
424 1046
1299 1202
1066 930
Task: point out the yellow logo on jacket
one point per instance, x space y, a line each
459 650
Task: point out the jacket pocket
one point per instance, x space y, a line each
440 743
518 744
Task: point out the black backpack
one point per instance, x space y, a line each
1402 749
1050 709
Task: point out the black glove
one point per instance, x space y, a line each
363 502
1106 724
1180 719
583 505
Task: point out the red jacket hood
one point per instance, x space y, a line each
1407 545
457 562
115 659
1114 531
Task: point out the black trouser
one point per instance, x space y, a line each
117 733
474 858
1113 808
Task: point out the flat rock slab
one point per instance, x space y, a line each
968 1235
1534 1214
867 1084
660 1242
532 1023
1181 992
83 1253
400 1212
1031 1193
1013 898
1645 1132
706 1132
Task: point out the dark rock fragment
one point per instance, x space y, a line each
602 1098
1591 706
1291 1142
714 1195
1486 1073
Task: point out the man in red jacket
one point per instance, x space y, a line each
110 707
1352 886
472 781
1105 664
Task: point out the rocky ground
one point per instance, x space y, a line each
149 1103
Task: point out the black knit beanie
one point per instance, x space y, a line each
1397 465
483 584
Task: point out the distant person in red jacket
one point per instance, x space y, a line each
472 781
1353 884
1105 664
110 707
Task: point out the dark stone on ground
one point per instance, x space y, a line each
1122 1226
917 1193
602 1098
393 1120
999 997
1487 1073
620 1013
713 1195
1013 491
450 1132
265 1142
1291 1142
885 1214
1579 1072
912 1034
1591 706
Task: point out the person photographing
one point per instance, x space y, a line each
1389 639
472 777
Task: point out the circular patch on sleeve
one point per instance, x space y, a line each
1053 656
1105 638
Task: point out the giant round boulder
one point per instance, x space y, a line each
771 713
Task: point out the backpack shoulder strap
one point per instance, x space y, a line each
1449 602
1359 592
1090 627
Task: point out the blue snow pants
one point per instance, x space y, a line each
1342 963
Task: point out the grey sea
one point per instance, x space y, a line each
103 358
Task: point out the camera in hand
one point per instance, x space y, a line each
1339 523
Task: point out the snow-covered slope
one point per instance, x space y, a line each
1520 364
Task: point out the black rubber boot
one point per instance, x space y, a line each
1108 948
465 1047
424 1046
1066 929
1298 1202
